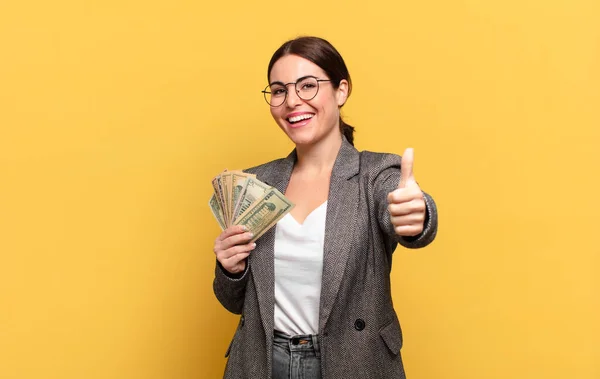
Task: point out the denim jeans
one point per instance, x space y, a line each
296 357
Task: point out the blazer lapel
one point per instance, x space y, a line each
342 207
262 259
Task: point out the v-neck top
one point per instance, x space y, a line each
298 272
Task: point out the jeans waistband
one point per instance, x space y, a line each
298 342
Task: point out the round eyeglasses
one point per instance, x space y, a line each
306 87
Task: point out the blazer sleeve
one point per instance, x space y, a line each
230 289
386 181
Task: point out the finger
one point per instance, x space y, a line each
232 230
407 167
413 206
237 239
408 231
414 219
232 251
402 195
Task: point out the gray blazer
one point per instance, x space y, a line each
360 335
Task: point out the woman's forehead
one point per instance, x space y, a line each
291 67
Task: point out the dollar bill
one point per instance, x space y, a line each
221 194
253 191
238 183
265 213
215 184
226 186
216 211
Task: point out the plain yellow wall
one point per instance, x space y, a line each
115 115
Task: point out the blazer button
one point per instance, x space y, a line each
242 320
359 324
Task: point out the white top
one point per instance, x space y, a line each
298 272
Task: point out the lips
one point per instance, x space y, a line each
298 119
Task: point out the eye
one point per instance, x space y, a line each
308 85
277 91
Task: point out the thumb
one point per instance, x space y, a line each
407 167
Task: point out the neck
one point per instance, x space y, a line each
319 158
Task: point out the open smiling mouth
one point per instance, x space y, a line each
302 117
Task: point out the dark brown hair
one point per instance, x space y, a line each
323 54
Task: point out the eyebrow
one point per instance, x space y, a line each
297 80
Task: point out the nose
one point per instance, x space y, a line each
292 98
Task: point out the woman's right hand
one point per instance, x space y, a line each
232 247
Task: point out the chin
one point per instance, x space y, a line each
301 140
301 137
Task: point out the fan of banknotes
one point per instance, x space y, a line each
241 199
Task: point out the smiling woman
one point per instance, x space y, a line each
314 292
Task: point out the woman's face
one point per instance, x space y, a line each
307 122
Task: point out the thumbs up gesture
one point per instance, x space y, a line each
407 204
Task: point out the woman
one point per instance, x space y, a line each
314 292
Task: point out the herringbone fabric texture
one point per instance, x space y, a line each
359 331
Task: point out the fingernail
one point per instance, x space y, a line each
253 245
245 228
250 235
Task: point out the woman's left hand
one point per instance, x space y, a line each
407 204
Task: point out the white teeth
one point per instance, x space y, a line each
300 117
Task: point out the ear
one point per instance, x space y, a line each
342 92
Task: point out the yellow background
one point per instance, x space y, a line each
115 115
